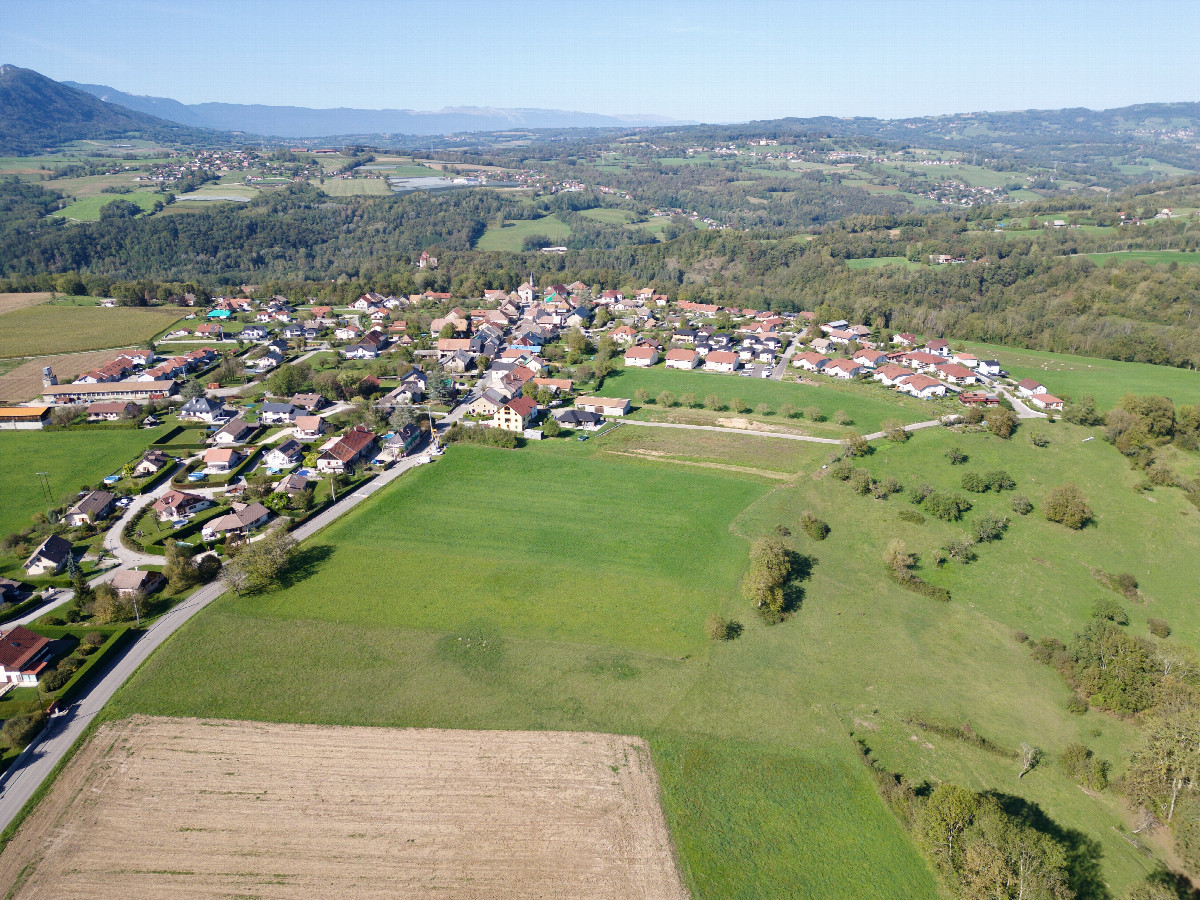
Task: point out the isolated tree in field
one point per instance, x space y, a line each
1066 505
716 627
894 429
956 456
666 398
1000 422
856 445
814 414
770 568
788 411
688 400
713 402
1030 757
642 396
738 405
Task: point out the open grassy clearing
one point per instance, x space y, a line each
868 405
414 813
1108 380
609 216
11 302
876 262
1150 257
511 236
24 380
88 209
71 458
42 330
425 640
351 187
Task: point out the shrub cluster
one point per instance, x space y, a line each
982 482
814 527
1078 762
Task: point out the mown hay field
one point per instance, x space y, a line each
41 330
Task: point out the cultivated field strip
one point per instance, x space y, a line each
155 807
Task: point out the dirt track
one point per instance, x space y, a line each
155 807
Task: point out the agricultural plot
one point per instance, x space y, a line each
353 187
24 381
88 209
609 216
71 459
563 587
11 302
378 812
42 330
868 406
511 236
1108 380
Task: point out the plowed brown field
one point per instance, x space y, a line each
155 807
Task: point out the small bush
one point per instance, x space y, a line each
814 414
842 417
1077 706
911 516
716 628
55 679
894 429
1109 610
920 493
782 530
713 402
842 470
666 398
1021 505
1125 583
1159 628
1020 637
975 483
1079 763
1066 505
862 482
814 527
856 445
961 551
990 528
1038 439
738 405
19 730
999 480
946 506
956 456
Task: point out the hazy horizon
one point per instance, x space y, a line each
688 61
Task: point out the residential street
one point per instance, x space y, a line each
39 759
781 366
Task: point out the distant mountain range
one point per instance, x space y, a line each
301 122
38 112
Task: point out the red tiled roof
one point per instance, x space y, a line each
19 645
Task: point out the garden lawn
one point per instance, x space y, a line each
1108 380
512 235
72 459
868 405
45 329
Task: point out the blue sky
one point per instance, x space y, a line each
691 59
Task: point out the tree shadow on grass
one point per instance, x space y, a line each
1083 851
304 564
793 590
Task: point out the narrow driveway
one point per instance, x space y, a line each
781 366
38 760
1023 411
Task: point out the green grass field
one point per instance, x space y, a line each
41 330
511 236
1108 380
71 458
88 209
1150 257
878 261
609 216
868 405
350 187
561 587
